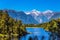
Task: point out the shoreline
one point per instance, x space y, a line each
33 27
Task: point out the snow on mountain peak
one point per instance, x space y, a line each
27 13
47 11
36 12
33 12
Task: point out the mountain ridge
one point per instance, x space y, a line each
34 16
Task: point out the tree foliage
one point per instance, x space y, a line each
10 27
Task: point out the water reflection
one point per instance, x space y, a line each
36 34
42 38
35 38
30 38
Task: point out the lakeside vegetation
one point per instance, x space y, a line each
12 28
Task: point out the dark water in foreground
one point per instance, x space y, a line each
36 34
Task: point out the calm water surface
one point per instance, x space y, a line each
36 34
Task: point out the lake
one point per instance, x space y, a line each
36 34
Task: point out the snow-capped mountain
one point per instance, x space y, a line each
26 19
34 16
41 16
56 15
34 12
48 13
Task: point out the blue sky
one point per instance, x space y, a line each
27 5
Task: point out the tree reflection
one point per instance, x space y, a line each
30 38
42 38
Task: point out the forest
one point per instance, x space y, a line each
10 28
13 28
